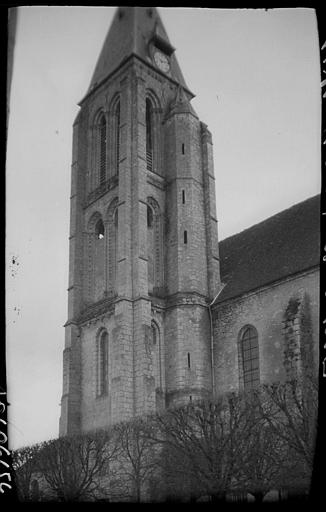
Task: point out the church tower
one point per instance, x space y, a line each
144 263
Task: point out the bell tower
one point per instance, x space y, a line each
144 262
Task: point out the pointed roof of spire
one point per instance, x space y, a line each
181 103
131 30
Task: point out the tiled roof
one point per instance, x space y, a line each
129 33
280 246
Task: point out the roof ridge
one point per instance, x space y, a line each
282 245
271 217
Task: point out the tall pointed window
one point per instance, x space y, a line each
117 137
150 248
112 246
249 357
153 123
102 143
154 246
157 366
149 135
94 262
99 230
115 249
99 261
102 364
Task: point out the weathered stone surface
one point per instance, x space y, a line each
148 275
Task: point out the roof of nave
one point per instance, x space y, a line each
285 244
130 33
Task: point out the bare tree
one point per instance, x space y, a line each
139 455
290 410
263 462
203 442
25 462
249 442
74 466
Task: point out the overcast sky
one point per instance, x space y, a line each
256 77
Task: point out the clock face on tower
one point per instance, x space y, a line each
161 61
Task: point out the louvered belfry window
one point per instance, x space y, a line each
149 135
102 149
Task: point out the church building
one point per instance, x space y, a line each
159 312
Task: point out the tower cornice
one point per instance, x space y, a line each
126 61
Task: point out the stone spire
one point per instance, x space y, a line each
131 32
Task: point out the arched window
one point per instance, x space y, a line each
149 134
149 216
157 362
113 130
115 246
249 357
102 364
101 149
154 246
112 245
95 259
99 229
150 248
153 123
156 355
117 137
99 261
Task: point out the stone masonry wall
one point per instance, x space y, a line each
117 404
187 353
178 185
186 261
264 310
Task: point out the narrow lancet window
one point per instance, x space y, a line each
154 247
98 257
150 249
102 149
103 360
117 137
157 365
99 230
149 135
